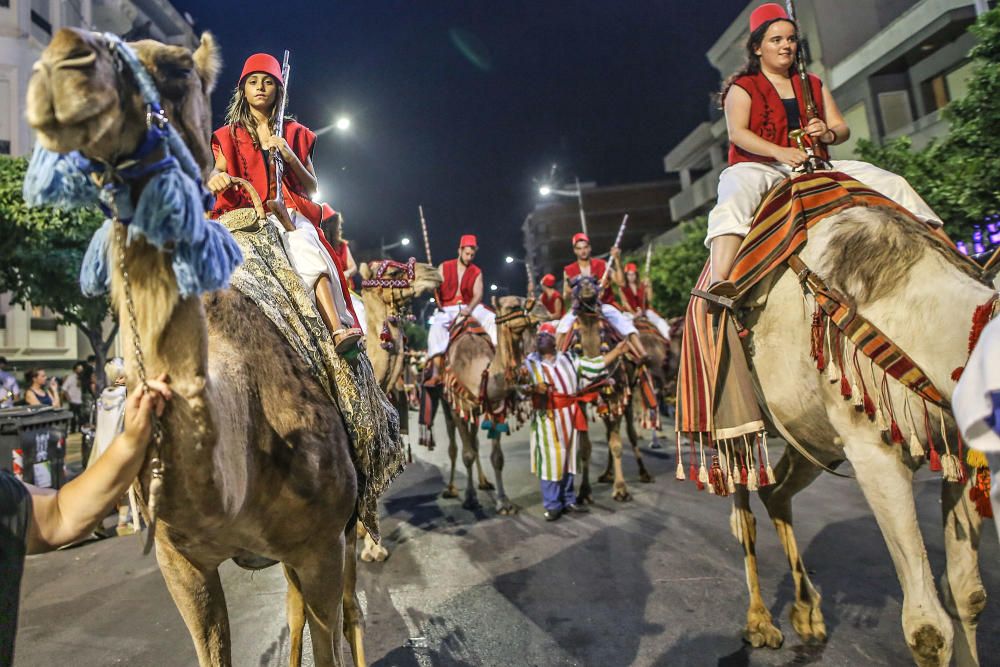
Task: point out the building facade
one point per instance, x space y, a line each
29 336
549 228
892 65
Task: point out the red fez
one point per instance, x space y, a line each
549 280
769 12
328 212
468 241
580 236
547 328
631 268
262 62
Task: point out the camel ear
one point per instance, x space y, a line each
366 273
208 61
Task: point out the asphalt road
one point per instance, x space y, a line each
656 581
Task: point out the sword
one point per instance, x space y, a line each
423 228
618 243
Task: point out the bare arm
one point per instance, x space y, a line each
220 178
834 130
305 173
30 398
477 294
352 266
738 127
567 291
60 517
619 350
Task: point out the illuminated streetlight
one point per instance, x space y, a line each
509 260
493 287
343 123
545 191
404 241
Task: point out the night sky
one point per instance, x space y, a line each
460 104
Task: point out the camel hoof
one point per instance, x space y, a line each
622 496
606 478
584 497
927 645
505 507
645 477
449 492
655 445
471 503
763 633
486 485
375 553
807 620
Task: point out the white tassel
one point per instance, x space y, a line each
949 467
916 449
680 472
880 421
857 398
752 479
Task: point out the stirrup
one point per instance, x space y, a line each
348 345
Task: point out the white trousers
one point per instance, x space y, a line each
744 184
359 310
311 261
621 322
658 322
437 337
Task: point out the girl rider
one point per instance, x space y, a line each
763 102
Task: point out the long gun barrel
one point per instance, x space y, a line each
800 65
618 243
279 131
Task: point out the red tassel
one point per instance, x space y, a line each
717 478
979 493
980 318
956 374
935 460
869 405
845 387
764 480
744 474
896 433
817 339
693 474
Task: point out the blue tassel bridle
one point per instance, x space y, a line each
170 211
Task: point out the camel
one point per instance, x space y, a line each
898 274
387 299
469 359
250 434
586 292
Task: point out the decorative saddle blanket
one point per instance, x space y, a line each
268 279
469 325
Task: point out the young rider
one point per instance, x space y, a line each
551 298
764 101
243 148
636 296
332 228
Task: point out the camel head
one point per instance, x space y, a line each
396 285
586 293
81 97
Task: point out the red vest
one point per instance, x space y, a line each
636 299
767 114
247 162
597 269
554 303
451 293
341 251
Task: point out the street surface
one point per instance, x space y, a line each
657 581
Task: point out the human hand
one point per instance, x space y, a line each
279 143
53 385
140 407
540 388
464 312
793 157
616 252
219 182
816 128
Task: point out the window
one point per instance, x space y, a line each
43 319
857 119
894 107
957 81
41 20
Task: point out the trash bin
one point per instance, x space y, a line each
33 443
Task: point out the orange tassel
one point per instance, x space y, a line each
979 493
896 433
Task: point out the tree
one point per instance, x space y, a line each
43 249
674 269
957 175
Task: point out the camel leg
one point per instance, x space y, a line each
585 495
322 585
295 608
503 504
633 438
484 483
470 455
354 617
760 629
608 475
792 474
961 586
449 424
373 551
197 592
620 490
888 488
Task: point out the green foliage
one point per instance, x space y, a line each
416 335
957 175
674 269
43 249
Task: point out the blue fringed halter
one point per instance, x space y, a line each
170 213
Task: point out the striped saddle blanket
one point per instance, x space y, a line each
779 229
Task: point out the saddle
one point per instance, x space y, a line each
644 326
467 326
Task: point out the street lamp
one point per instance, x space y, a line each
510 259
546 190
405 241
341 124
493 287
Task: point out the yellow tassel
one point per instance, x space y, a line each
976 459
680 472
731 485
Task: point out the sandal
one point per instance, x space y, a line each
346 340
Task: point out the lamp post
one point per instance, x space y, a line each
546 190
341 124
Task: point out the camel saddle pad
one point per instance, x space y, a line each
644 326
779 229
267 278
471 326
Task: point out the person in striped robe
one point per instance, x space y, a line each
559 383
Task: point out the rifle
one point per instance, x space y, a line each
617 244
279 131
799 136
